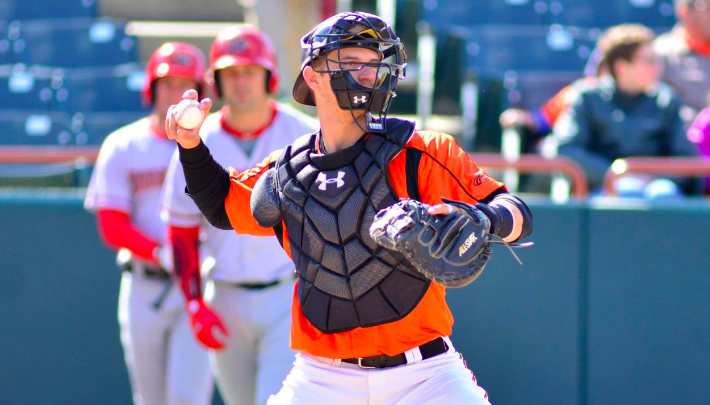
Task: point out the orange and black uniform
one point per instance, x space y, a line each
445 170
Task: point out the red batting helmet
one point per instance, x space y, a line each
244 45
174 59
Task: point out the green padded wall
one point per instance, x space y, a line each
609 307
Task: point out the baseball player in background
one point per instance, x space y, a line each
367 326
165 363
247 295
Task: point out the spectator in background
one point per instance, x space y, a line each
627 113
535 125
538 123
699 135
685 54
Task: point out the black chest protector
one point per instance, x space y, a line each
328 202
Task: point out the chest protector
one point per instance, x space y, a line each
328 203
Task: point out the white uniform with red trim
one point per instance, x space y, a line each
165 363
257 356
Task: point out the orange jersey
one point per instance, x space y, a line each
455 176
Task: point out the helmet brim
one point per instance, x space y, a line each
226 61
301 92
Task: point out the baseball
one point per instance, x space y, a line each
188 114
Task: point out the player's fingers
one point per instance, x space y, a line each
442 209
171 124
205 105
190 94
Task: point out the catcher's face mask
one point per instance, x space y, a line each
355 30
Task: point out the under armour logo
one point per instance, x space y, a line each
324 180
360 100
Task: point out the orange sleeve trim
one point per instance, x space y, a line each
238 200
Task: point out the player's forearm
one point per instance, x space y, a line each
116 231
510 217
184 244
207 184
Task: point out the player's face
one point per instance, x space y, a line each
243 87
169 91
354 60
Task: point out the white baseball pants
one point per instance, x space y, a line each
443 379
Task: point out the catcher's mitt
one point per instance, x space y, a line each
450 249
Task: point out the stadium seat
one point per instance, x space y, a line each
91 128
530 90
497 49
112 89
445 13
28 88
605 13
33 128
508 55
71 43
47 9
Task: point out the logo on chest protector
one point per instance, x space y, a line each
324 180
360 100
467 244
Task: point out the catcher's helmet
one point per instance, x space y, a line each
174 59
243 45
354 29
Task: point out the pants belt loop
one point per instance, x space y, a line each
413 355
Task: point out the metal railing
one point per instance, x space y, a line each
676 166
83 156
80 155
528 163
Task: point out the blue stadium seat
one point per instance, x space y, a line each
113 89
47 9
71 43
5 44
28 88
445 13
91 128
497 49
605 13
33 128
531 89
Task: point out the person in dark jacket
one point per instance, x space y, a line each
627 113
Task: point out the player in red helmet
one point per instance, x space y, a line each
248 279
165 364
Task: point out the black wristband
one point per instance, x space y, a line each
193 155
207 184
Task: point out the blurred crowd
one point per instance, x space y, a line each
647 96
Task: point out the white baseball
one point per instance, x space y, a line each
188 114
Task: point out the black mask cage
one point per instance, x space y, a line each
355 30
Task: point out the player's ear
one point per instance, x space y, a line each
311 78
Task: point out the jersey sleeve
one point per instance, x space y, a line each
238 200
110 186
177 207
446 170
